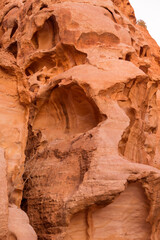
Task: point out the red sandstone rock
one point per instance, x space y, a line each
79 118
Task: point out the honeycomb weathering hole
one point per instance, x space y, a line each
47 36
13 48
62 58
38 64
68 111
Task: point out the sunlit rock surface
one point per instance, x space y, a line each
79 122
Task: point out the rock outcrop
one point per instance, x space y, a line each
79 122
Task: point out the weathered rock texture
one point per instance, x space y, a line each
79 122
3 198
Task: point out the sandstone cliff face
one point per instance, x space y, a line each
79 117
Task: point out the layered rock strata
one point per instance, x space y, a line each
79 122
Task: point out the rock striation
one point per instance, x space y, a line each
79 122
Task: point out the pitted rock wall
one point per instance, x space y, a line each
79 122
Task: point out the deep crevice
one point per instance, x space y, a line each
144 51
13 48
128 57
134 144
111 14
144 68
29 12
14 29
43 6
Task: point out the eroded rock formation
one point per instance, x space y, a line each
116 220
79 122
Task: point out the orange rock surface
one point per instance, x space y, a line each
79 122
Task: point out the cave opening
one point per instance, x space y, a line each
47 36
67 111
